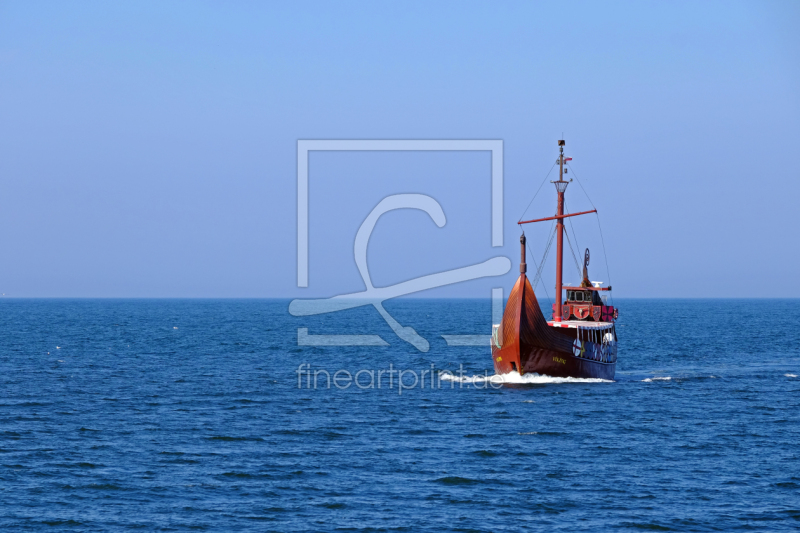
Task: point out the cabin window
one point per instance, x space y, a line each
570 295
579 296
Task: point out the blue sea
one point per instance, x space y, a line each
174 415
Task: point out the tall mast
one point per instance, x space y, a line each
561 186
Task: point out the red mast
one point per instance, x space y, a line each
561 186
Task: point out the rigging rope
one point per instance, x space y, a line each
577 244
605 255
544 257
539 266
538 270
577 267
581 184
537 190
600 226
566 232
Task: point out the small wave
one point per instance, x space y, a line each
456 480
61 523
104 486
516 378
646 525
486 453
790 375
650 380
237 474
337 505
232 439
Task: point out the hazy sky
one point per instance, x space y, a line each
150 148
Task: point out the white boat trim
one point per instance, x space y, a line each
580 324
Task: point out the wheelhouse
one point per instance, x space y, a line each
581 296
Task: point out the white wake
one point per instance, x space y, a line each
667 378
516 378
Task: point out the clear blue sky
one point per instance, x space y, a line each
149 148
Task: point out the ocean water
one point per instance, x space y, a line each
176 415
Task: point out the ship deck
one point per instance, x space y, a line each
580 324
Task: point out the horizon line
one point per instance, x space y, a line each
289 298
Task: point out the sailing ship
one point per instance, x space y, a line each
580 340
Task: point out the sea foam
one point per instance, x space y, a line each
516 378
